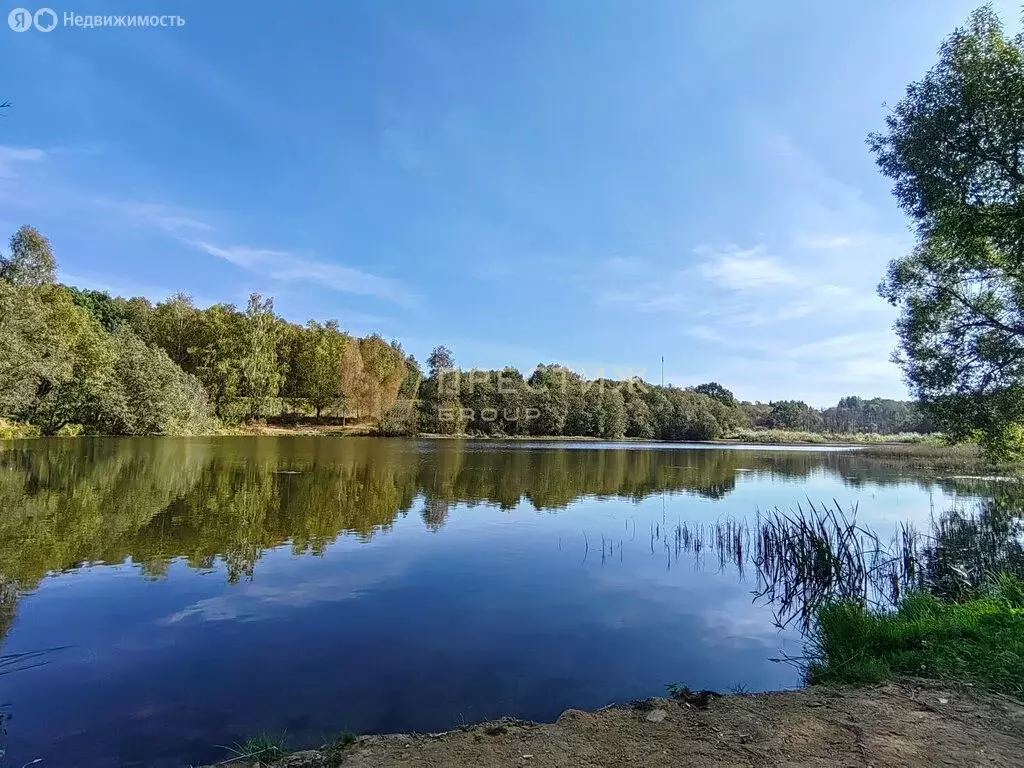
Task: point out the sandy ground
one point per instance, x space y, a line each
912 723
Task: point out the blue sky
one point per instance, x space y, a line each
592 182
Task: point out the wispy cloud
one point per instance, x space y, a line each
154 215
840 346
825 242
276 264
745 270
287 266
10 156
190 228
794 310
255 602
735 287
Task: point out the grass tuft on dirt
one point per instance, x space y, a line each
979 642
265 749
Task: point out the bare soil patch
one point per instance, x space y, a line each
910 723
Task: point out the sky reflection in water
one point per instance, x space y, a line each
311 585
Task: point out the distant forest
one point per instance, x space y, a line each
75 361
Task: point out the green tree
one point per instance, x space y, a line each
413 378
512 401
953 148
441 359
440 407
794 414
718 392
110 312
292 339
138 313
27 346
639 421
582 404
548 394
67 363
613 407
173 327
31 261
147 394
478 393
260 376
217 357
319 364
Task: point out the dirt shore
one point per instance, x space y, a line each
911 723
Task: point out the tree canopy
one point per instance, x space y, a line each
954 146
30 262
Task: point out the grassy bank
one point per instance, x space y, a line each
794 437
980 641
907 450
964 458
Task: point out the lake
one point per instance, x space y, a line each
176 595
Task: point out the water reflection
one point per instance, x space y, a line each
315 584
967 546
71 502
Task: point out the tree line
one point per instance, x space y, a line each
82 360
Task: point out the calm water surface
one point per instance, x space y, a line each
199 591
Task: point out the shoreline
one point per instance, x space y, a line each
332 431
769 438
926 454
361 431
904 722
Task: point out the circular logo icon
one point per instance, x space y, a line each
45 19
20 19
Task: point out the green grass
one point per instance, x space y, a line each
335 751
265 748
697 699
963 458
980 641
786 436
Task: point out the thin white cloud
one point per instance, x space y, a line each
746 270
252 601
155 215
704 333
286 266
810 301
10 156
737 288
840 346
276 264
241 255
825 242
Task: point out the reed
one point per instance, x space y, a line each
819 552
